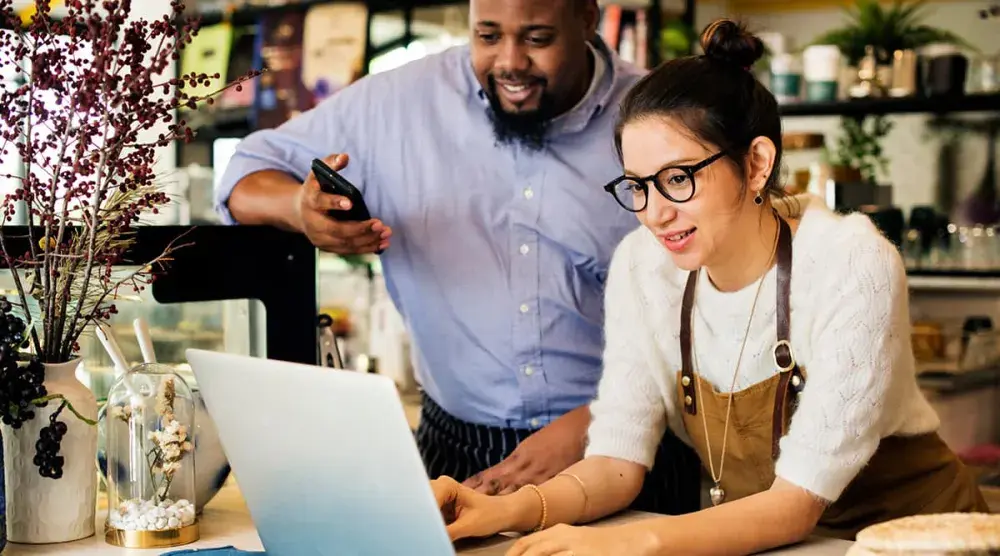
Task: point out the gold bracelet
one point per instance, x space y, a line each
583 488
545 508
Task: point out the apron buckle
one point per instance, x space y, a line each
785 355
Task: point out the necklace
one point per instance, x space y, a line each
717 493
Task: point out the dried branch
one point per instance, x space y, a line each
91 84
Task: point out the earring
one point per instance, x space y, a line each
758 200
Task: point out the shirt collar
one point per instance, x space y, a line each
600 67
594 101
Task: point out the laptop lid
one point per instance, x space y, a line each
325 459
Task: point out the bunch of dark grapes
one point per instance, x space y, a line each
19 384
47 458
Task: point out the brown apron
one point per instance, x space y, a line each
907 475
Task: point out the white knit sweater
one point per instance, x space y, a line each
850 331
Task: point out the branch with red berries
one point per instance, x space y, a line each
91 107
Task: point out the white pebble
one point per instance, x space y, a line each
147 515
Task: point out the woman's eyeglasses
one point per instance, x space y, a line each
676 183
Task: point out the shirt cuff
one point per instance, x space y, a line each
634 444
823 475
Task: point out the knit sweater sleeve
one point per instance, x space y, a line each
628 414
860 356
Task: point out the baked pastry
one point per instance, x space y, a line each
946 534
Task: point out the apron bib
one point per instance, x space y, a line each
907 475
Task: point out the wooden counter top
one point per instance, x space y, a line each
226 522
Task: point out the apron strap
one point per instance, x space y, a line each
790 376
687 371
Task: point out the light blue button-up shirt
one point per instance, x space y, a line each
499 254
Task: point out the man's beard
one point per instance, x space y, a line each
527 128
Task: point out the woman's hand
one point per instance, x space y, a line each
566 540
468 513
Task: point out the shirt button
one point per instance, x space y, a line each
525 249
534 423
529 371
524 308
528 193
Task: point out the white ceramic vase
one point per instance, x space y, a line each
41 510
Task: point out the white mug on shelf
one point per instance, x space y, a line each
821 68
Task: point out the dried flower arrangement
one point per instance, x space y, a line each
89 111
164 449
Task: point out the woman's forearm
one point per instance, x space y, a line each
605 486
777 517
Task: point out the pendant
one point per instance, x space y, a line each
717 494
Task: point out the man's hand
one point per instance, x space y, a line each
539 458
329 234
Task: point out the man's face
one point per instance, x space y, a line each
531 58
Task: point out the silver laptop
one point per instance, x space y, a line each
324 458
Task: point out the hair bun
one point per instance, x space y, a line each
728 41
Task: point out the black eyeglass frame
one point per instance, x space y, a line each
689 169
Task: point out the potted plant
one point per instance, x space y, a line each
86 115
886 30
859 156
898 27
677 39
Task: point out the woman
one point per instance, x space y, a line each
793 378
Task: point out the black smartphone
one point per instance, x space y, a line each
333 183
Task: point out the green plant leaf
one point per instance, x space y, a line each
676 39
861 148
897 27
922 35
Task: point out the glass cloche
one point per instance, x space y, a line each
151 464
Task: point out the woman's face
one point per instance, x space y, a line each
695 232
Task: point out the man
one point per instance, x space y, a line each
482 167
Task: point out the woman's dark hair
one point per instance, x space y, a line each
714 95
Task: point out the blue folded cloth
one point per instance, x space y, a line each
221 551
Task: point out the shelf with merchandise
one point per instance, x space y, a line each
250 14
980 102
